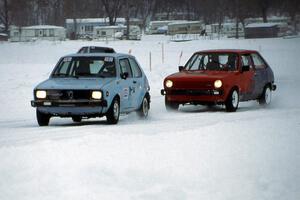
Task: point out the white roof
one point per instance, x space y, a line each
184 22
43 27
110 27
256 25
93 20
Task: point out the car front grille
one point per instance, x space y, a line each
68 94
192 92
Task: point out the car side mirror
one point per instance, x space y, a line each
124 75
245 68
181 68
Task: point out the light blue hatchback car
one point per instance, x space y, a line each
93 85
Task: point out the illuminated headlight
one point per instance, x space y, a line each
169 83
96 94
41 94
218 83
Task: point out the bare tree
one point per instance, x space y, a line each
4 14
112 9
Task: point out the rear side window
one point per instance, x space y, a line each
136 71
258 61
246 61
125 67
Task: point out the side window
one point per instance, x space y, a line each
125 67
258 62
64 68
194 63
136 71
246 61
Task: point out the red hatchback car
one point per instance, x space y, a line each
220 77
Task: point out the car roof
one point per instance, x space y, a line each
97 48
238 51
116 55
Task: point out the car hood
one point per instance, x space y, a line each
197 79
205 75
74 83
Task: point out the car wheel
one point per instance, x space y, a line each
144 108
171 106
266 96
232 101
77 119
113 112
42 119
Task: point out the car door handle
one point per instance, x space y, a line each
134 82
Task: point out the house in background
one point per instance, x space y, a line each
156 26
185 27
226 29
116 32
85 27
262 30
39 32
3 37
2 28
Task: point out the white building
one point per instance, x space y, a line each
185 27
39 32
116 32
85 26
227 29
154 26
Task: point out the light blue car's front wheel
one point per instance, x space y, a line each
42 119
113 112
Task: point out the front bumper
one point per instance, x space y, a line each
68 103
194 96
67 108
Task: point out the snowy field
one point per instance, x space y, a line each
197 153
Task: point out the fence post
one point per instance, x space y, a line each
180 55
150 61
162 53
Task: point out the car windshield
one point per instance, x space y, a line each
85 67
212 62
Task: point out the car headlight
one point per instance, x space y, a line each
41 94
218 83
169 83
96 94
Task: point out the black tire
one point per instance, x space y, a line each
143 111
171 106
113 112
266 97
232 102
77 119
42 119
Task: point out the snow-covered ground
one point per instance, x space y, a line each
197 153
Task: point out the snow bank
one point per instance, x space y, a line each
197 153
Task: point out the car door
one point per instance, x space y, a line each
138 83
247 83
126 85
259 75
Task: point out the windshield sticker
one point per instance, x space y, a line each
67 59
108 59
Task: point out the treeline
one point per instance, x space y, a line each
54 12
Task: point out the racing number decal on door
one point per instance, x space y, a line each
125 93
